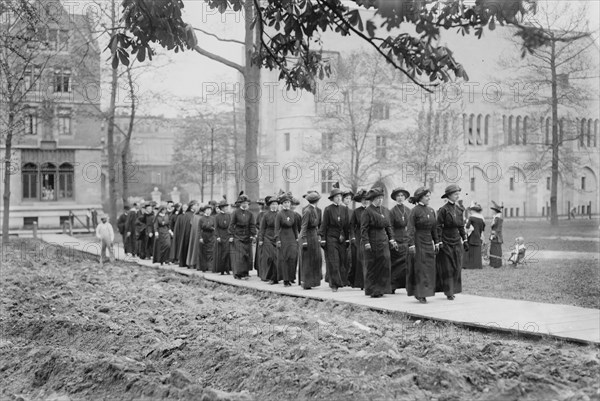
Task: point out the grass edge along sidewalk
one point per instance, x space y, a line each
518 317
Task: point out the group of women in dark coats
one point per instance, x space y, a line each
371 247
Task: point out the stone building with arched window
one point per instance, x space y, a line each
56 160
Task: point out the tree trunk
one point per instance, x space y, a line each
555 139
127 140
252 106
112 176
236 154
7 176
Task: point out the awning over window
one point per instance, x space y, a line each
47 156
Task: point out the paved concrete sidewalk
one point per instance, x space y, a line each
519 317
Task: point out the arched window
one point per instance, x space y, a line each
30 181
518 131
524 132
487 129
48 181
510 125
65 181
479 121
471 129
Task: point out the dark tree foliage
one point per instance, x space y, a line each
288 30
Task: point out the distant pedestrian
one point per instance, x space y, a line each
496 239
106 235
122 223
475 227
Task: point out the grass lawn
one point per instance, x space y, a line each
569 282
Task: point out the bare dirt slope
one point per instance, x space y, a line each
74 331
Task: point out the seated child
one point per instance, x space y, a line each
518 253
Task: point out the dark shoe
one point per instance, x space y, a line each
376 295
228 273
293 282
393 291
222 274
334 289
246 278
450 297
287 284
422 300
273 282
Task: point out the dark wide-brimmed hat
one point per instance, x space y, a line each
497 208
476 207
374 193
312 197
309 191
242 198
271 199
285 198
450 189
348 192
360 195
205 206
335 192
295 201
419 193
192 203
400 190
223 202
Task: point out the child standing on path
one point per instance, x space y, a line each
106 235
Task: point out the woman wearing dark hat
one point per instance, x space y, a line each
242 229
194 247
399 220
334 230
162 235
183 228
222 263
451 230
310 260
376 238
206 232
286 236
263 209
177 212
423 245
266 242
346 200
496 239
356 276
475 227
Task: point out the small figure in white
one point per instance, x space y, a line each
518 253
106 235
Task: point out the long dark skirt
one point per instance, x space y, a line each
174 248
256 261
162 247
472 258
495 254
357 274
221 259
335 263
241 258
287 258
449 269
420 280
205 252
378 269
311 272
399 266
267 263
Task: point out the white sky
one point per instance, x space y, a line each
186 74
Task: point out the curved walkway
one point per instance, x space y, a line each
517 317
